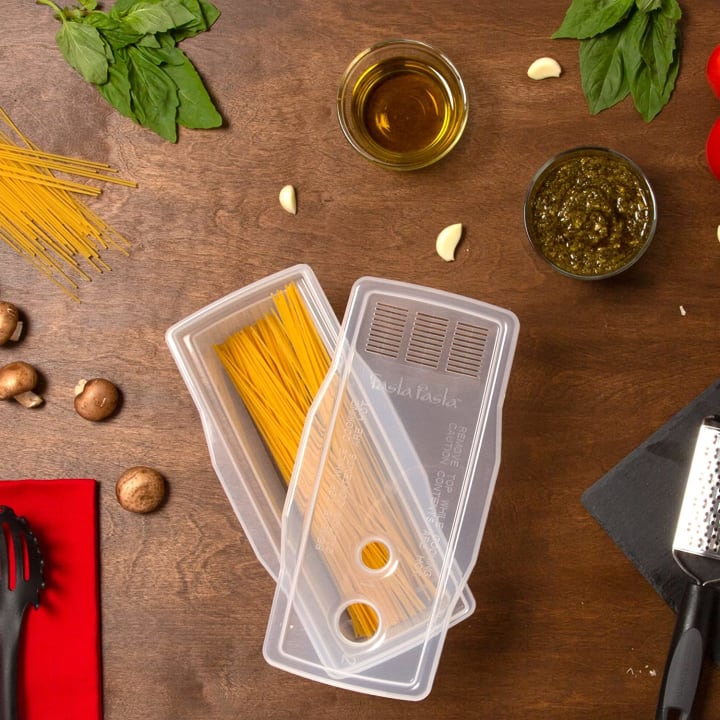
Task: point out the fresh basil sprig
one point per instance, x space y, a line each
627 47
130 54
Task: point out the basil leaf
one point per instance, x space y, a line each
653 83
634 37
196 109
588 18
602 69
210 12
647 5
659 48
112 30
650 94
121 6
154 95
160 54
148 17
148 41
84 49
205 14
117 88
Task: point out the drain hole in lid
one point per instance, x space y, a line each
375 555
359 622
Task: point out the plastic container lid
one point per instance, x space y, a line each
400 452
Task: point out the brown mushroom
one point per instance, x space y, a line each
140 489
18 380
96 399
10 324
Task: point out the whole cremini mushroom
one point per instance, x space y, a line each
96 399
140 489
10 324
18 380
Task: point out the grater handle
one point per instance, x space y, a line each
686 654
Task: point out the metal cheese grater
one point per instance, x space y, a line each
696 549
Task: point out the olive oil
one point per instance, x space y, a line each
402 104
406 108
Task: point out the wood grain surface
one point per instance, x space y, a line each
566 627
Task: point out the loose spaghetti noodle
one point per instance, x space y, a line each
277 366
40 218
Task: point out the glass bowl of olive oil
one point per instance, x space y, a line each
402 104
590 212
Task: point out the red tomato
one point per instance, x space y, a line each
712 71
712 149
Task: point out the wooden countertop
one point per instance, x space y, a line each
565 625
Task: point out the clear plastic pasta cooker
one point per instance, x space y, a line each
241 460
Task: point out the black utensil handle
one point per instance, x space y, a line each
687 653
9 639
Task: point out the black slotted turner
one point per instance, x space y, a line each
21 579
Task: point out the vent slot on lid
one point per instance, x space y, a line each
467 349
387 330
427 340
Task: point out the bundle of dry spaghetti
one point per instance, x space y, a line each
40 217
277 366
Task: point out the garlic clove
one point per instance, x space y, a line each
447 241
544 67
288 199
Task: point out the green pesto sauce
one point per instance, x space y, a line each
590 215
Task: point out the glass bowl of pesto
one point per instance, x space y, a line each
590 212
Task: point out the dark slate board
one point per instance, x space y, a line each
638 501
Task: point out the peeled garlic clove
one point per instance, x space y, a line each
447 241
288 201
544 67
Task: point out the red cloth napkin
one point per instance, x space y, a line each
59 658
